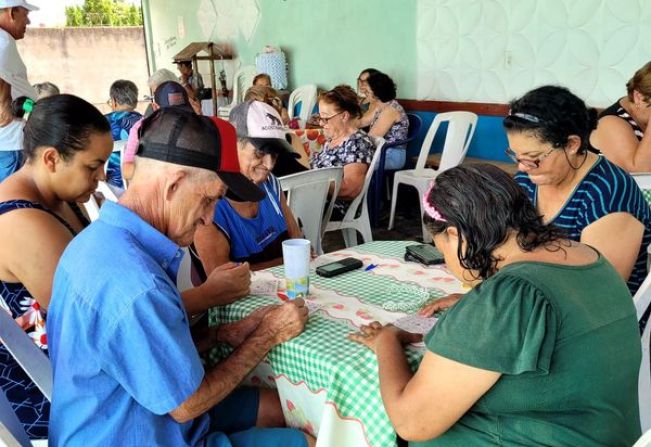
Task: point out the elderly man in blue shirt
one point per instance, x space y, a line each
126 370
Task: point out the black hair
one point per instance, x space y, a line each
185 63
344 98
484 204
382 86
124 92
18 108
369 71
64 122
552 114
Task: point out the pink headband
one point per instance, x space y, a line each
429 209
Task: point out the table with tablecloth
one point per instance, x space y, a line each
311 140
328 385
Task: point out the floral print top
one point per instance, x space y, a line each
400 128
31 407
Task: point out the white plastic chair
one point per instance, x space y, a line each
184 275
306 95
644 441
21 347
242 80
92 206
642 300
307 194
12 433
357 218
461 127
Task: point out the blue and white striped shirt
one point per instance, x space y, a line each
604 190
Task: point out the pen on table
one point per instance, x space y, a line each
370 267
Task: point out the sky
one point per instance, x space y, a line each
52 13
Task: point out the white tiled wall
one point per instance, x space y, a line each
495 50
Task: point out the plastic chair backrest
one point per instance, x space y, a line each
360 200
22 348
12 433
92 206
461 127
644 441
307 194
184 275
306 95
242 80
642 300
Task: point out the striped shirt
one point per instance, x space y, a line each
619 111
605 189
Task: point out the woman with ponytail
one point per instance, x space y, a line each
544 350
591 199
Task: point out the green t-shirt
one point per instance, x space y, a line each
567 343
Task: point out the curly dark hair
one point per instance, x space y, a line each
382 86
553 113
64 122
344 98
484 204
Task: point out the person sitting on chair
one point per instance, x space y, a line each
242 230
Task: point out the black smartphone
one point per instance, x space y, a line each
338 267
424 253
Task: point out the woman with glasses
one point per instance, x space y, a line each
623 134
582 193
345 146
251 232
544 350
362 88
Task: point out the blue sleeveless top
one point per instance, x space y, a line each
31 407
606 189
256 239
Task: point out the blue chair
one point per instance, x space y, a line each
375 198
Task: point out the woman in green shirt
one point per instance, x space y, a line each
545 349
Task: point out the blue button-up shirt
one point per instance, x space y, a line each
119 338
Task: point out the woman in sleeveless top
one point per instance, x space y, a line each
386 118
66 144
622 135
250 232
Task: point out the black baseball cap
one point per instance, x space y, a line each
178 136
172 94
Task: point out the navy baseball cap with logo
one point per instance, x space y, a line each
172 94
261 124
178 136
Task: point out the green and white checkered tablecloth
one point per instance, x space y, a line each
323 357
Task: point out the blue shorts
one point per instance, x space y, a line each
232 424
10 162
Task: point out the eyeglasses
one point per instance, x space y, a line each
326 119
531 163
362 81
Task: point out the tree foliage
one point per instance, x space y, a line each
103 13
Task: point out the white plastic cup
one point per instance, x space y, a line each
296 258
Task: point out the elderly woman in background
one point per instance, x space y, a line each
262 79
346 145
66 143
251 232
580 192
386 118
123 102
45 89
544 350
621 134
270 96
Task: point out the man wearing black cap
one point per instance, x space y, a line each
173 94
126 371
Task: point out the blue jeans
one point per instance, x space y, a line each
10 161
232 424
394 159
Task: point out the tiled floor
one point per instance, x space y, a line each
406 226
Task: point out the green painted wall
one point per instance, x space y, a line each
327 42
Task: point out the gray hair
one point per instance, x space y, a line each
45 89
160 76
124 92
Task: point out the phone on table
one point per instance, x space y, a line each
424 253
338 267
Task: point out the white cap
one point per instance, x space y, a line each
17 3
